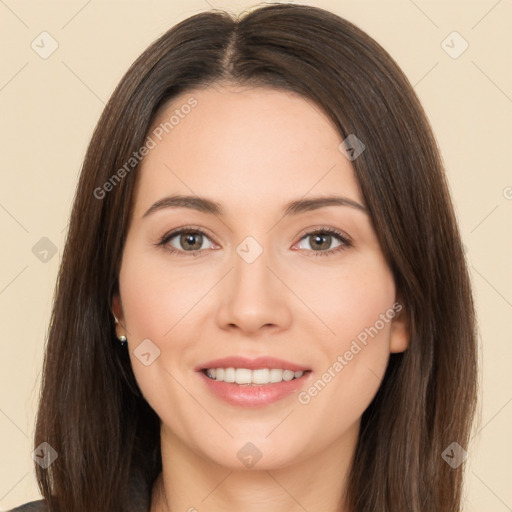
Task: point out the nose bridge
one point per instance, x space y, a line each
253 296
251 273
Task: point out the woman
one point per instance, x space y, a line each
200 356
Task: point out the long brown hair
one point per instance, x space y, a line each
91 410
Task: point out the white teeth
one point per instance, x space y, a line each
288 375
275 375
229 375
260 376
245 376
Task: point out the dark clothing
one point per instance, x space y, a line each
33 506
139 500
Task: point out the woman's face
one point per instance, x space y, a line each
255 279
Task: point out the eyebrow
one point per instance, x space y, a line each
205 205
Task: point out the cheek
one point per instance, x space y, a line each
160 302
348 299
155 299
157 305
357 306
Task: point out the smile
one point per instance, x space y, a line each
245 382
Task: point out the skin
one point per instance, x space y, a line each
253 150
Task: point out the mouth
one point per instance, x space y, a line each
253 383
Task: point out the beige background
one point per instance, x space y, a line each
50 107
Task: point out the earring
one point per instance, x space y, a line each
122 337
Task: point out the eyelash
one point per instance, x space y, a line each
345 241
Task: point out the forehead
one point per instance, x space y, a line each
243 145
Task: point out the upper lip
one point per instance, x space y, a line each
251 364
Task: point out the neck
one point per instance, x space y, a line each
191 483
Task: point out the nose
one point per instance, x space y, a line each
253 297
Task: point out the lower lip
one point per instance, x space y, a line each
250 395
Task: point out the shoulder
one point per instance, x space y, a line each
33 506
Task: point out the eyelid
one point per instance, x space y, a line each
325 229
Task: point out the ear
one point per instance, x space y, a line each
400 332
117 311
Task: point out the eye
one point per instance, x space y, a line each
189 241
184 241
320 241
